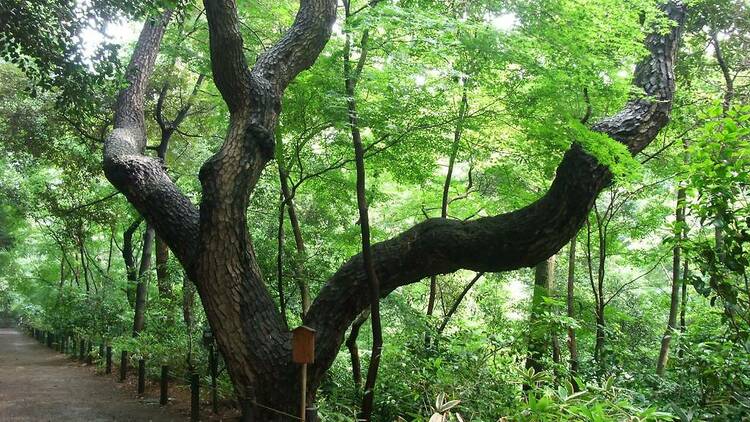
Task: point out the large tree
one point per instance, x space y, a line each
211 240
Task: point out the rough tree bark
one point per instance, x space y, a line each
212 242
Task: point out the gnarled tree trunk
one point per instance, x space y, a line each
212 243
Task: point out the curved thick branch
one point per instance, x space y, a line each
509 241
298 49
230 72
143 180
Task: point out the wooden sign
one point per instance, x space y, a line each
303 345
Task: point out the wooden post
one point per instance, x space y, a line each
141 376
194 397
303 352
82 350
164 381
123 365
109 360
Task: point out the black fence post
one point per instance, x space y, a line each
109 360
164 397
88 353
49 339
82 350
141 376
213 366
123 365
194 397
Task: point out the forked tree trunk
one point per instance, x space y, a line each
212 242
351 344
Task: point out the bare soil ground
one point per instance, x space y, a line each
38 384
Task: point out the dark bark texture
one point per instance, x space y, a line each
212 242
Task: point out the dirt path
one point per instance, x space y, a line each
37 384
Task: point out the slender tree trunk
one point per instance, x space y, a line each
141 293
571 312
600 338
351 344
457 133
725 71
280 262
683 302
111 248
84 265
62 268
601 302
674 304
127 256
457 302
351 75
597 286
188 299
544 274
288 201
162 271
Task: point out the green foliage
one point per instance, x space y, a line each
530 70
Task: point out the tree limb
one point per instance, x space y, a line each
518 239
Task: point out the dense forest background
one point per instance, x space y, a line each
464 110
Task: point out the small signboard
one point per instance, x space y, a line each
303 345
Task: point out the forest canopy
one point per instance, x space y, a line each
486 209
